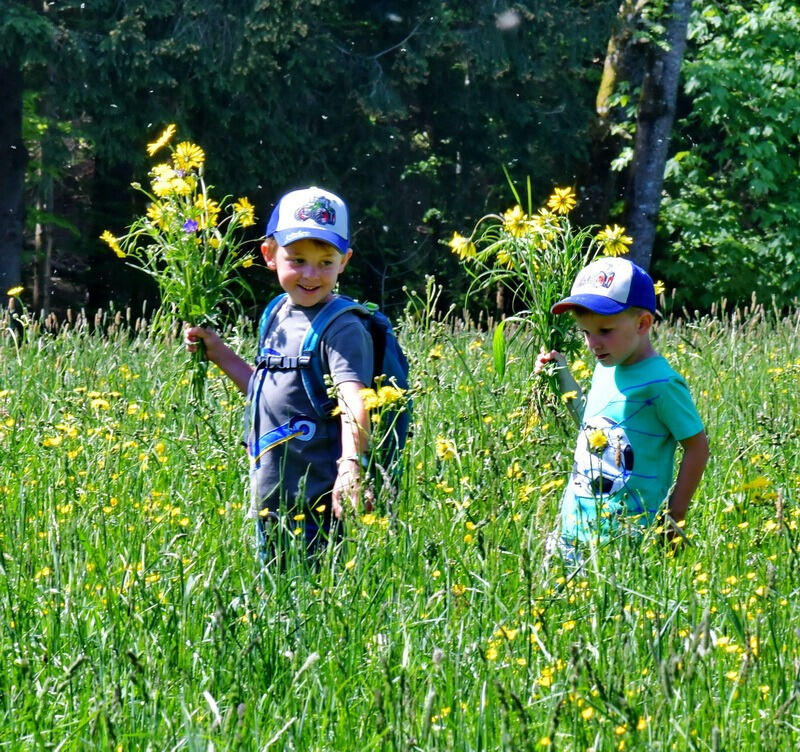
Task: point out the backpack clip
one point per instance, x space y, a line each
284 362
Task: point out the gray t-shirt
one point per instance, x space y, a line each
293 451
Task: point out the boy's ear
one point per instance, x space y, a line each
345 258
646 320
268 252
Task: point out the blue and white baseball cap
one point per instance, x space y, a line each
310 213
610 285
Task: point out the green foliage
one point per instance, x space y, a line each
731 216
389 105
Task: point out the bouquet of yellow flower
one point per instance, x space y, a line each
188 242
533 258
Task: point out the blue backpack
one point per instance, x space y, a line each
390 368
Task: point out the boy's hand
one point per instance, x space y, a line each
192 335
543 358
349 484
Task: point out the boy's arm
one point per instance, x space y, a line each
566 381
234 367
355 437
695 458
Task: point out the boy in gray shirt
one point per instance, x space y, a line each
301 465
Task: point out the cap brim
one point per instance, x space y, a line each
292 235
594 303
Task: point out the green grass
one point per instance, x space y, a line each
135 616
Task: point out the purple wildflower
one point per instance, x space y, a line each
189 226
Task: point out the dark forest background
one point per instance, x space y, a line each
422 114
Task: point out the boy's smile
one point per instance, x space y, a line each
618 340
307 269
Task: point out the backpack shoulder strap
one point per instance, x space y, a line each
314 377
266 319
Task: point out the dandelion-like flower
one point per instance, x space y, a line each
112 243
658 287
463 247
515 221
562 200
614 241
157 214
14 291
188 156
598 441
246 210
162 140
445 448
209 209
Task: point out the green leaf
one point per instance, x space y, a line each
499 350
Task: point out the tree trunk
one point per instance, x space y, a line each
12 175
655 114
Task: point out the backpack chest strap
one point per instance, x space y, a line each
284 362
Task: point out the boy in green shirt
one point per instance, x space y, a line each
636 412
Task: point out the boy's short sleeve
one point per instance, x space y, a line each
676 409
347 350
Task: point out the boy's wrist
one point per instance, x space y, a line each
360 460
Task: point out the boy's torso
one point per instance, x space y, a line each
302 467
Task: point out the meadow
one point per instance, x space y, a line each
136 617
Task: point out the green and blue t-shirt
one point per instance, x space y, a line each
624 457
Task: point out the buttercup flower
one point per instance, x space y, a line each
562 200
16 290
614 241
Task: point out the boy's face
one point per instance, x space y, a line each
307 269
619 340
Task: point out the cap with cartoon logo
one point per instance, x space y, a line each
310 213
610 285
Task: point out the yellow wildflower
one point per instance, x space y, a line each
445 448
246 210
614 241
658 286
209 209
248 262
436 352
562 200
188 156
515 221
504 258
112 243
389 394
598 441
162 140
463 247
15 291
157 214
370 398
